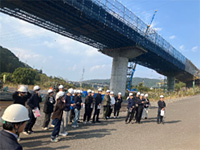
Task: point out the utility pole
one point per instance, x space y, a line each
82 77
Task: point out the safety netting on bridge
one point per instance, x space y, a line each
119 11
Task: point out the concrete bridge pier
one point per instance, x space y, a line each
170 83
121 57
119 75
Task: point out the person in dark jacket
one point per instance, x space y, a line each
92 105
161 107
14 120
88 103
140 103
137 97
97 106
77 107
57 115
33 104
130 109
66 112
21 95
117 106
48 108
106 104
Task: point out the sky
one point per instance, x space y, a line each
178 21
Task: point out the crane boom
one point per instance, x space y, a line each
149 25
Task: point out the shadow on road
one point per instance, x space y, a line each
33 145
174 121
96 133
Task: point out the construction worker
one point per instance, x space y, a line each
161 109
137 97
14 121
72 114
140 105
117 106
98 100
146 106
112 103
33 106
77 107
92 104
61 88
88 103
21 95
106 104
66 112
48 108
57 115
130 109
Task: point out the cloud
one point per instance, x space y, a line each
25 54
157 29
172 37
74 67
195 48
97 67
182 47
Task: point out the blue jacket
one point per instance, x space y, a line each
131 103
9 141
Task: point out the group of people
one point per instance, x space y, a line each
64 107
138 106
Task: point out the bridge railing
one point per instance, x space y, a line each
118 10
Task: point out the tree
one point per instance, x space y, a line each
24 76
140 87
179 85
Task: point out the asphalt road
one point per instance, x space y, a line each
181 131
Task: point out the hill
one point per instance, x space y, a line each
9 62
136 80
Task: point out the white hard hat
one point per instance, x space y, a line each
119 93
130 94
81 91
138 93
92 91
146 95
108 91
35 88
161 96
75 91
61 87
71 91
60 94
111 92
89 91
22 88
142 95
50 91
15 113
78 91
100 89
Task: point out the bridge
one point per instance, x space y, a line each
110 27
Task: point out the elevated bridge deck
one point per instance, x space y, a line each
105 25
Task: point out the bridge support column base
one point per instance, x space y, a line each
170 83
119 75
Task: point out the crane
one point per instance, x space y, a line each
131 67
82 77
